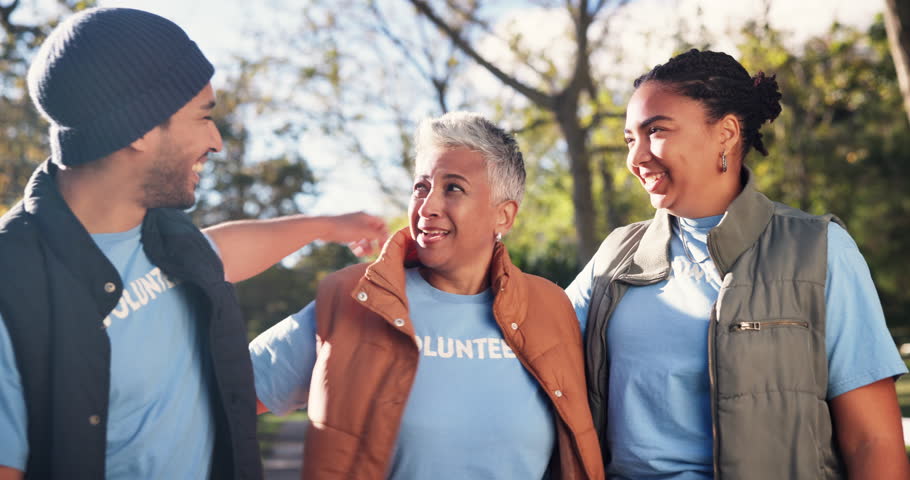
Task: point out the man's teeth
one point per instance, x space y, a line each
197 167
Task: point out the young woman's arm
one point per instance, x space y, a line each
867 423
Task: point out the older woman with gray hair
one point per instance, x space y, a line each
440 359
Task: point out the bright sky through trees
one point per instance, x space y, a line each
223 28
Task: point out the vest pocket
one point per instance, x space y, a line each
763 355
767 398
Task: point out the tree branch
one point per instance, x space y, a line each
537 123
599 116
5 13
536 96
608 149
406 50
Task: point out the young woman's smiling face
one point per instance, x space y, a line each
453 217
676 152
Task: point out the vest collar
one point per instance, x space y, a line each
67 238
44 202
400 252
745 219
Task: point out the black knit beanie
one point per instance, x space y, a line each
107 76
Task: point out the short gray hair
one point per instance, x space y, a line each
505 165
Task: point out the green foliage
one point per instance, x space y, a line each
280 291
840 145
902 385
23 134
542 240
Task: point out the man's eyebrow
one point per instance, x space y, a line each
649 121
209 106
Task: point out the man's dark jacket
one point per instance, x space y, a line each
57 287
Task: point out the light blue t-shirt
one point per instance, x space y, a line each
159 419
473 412
659 411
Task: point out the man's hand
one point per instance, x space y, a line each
363 233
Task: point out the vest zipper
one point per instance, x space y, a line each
756 326
712 382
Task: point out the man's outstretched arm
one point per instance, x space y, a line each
249 247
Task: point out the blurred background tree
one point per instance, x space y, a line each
23 134
351 79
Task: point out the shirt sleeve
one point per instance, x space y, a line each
283 358
579 292
13 439
859 346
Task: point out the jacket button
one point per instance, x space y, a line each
109 287
398 322
94 420
558 393
514 326
362 296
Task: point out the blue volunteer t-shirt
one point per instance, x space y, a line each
473 412
659 413
159 419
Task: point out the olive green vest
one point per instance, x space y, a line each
767 363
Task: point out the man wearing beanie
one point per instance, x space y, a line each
122 350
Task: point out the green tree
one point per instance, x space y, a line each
374 68
23 133
280 291
573 99
897 22
839 145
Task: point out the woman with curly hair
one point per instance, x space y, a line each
731 336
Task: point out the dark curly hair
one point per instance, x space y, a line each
723 86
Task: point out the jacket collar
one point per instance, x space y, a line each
384 282
743 222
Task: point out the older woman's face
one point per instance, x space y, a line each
452 216
673 150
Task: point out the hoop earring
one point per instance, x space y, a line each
723 165
498 237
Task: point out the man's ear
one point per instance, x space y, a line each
505 216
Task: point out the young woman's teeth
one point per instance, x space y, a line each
435 233
650 180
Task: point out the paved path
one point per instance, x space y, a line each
283 460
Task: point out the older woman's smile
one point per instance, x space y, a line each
429 235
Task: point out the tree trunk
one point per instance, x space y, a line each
897 23
614 217
580 167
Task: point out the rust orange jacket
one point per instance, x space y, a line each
367 360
